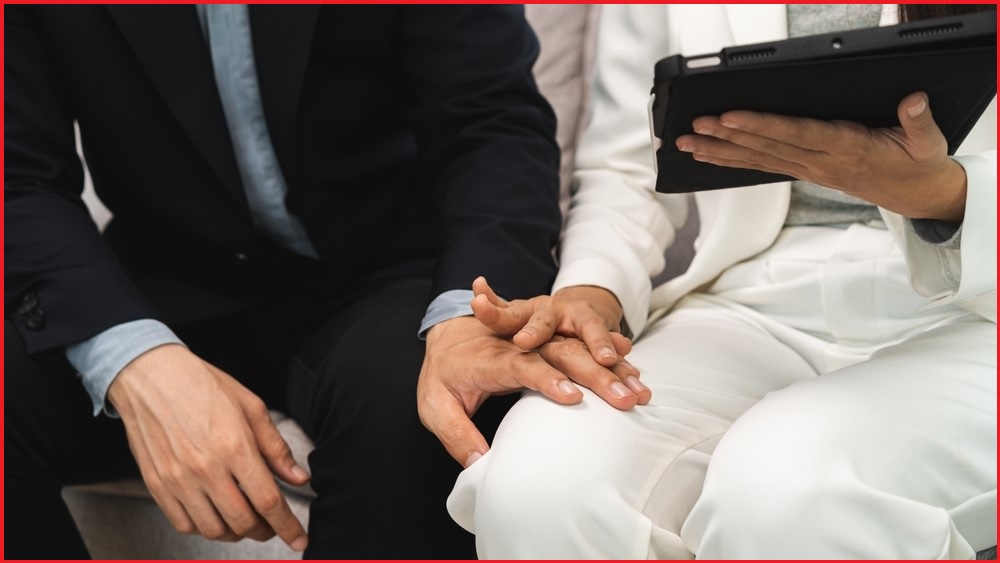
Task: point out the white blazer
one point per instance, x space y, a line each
618 227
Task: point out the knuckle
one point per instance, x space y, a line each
213 530
798 137
243 524
227 445
275 446
755 157
176 475
522 363
157 487
564 352
268 501
256 408
186 528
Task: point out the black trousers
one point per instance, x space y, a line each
345 367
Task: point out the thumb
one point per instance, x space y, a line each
914 114
456 431
275 450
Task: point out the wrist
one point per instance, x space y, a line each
464 325
953 194
138 370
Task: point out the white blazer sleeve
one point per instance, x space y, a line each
618 227
966 276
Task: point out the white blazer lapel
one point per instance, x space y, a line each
754 23
739 222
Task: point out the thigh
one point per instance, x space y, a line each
51 439
902 446
591 481
50 432
382 478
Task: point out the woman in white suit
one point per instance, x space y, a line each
823 374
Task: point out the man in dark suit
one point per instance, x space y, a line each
296 191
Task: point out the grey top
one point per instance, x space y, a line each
812 204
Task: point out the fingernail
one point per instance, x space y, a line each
702 130
527 333
686 147
566 388
473 458
608 352
299 472
619 390
729 124
299 544
635 385
917 109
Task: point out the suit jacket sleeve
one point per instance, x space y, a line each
62 282
487 146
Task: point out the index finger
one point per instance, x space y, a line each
263 493
803 132
597 337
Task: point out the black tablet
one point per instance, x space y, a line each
858 75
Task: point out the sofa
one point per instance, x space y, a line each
119 520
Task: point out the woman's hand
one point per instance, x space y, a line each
569 329
589 313
904 169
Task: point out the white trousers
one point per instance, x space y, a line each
801 409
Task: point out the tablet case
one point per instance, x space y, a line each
859 75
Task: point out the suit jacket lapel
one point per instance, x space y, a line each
282 41
169 43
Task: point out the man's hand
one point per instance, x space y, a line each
466 362
904 169
206 448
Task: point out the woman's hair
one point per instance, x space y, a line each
914 12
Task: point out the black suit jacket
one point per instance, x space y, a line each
413 140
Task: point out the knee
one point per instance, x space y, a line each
550 488
542 508
777 456
790 480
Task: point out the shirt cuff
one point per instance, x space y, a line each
99 359
448 305
938 233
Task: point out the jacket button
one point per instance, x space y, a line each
34 320
241 257
28 302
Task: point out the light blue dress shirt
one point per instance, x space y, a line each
99 359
